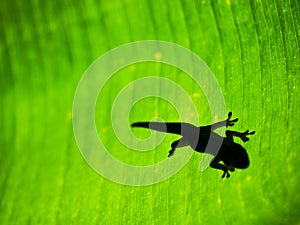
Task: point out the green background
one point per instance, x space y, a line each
251 46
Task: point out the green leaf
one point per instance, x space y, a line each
252 47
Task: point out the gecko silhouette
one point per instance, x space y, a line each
233 155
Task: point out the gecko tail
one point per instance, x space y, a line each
173 128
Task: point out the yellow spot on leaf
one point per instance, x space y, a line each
216 119
60 182
105 129
69 116
132 67
248 178
121 60
157 56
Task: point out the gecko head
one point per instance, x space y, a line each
236 157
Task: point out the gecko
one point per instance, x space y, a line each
227 157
